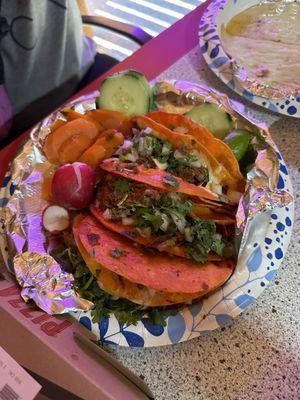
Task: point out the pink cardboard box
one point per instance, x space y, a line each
45 345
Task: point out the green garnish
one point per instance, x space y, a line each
121 186
193 253
170 242
87 287
154 220
124 310
122 158
123 200
170 215
205 240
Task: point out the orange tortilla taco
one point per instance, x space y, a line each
181 124
153 145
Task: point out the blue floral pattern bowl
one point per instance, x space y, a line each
218 13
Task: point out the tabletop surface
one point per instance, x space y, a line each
257 356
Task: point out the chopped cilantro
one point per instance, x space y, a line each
155 220
122 158
193 253
121 186
205 240
171 204
123 200
170 242
218 247
124 310
155 144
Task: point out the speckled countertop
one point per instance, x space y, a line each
258 355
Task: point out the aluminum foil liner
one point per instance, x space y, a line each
22 241
254 85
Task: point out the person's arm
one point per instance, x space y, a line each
44 57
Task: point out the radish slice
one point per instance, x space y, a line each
55 219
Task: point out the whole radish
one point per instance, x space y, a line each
73 185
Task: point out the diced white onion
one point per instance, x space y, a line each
166 149
177 154
133 156
188 235
128 221
107 214
196 163
147 130
125 146
164 226
214 187
141 145
196 159
179 222
161 166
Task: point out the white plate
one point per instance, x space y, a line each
219 13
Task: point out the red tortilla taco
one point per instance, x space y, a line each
148 209
125 270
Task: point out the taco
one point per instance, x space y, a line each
125 270
156 210
222 153
183 155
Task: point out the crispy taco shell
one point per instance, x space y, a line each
220 215
218 174
158 179
215 146
123 268
152 241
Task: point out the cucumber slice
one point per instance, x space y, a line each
217 121
127 92
238 140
